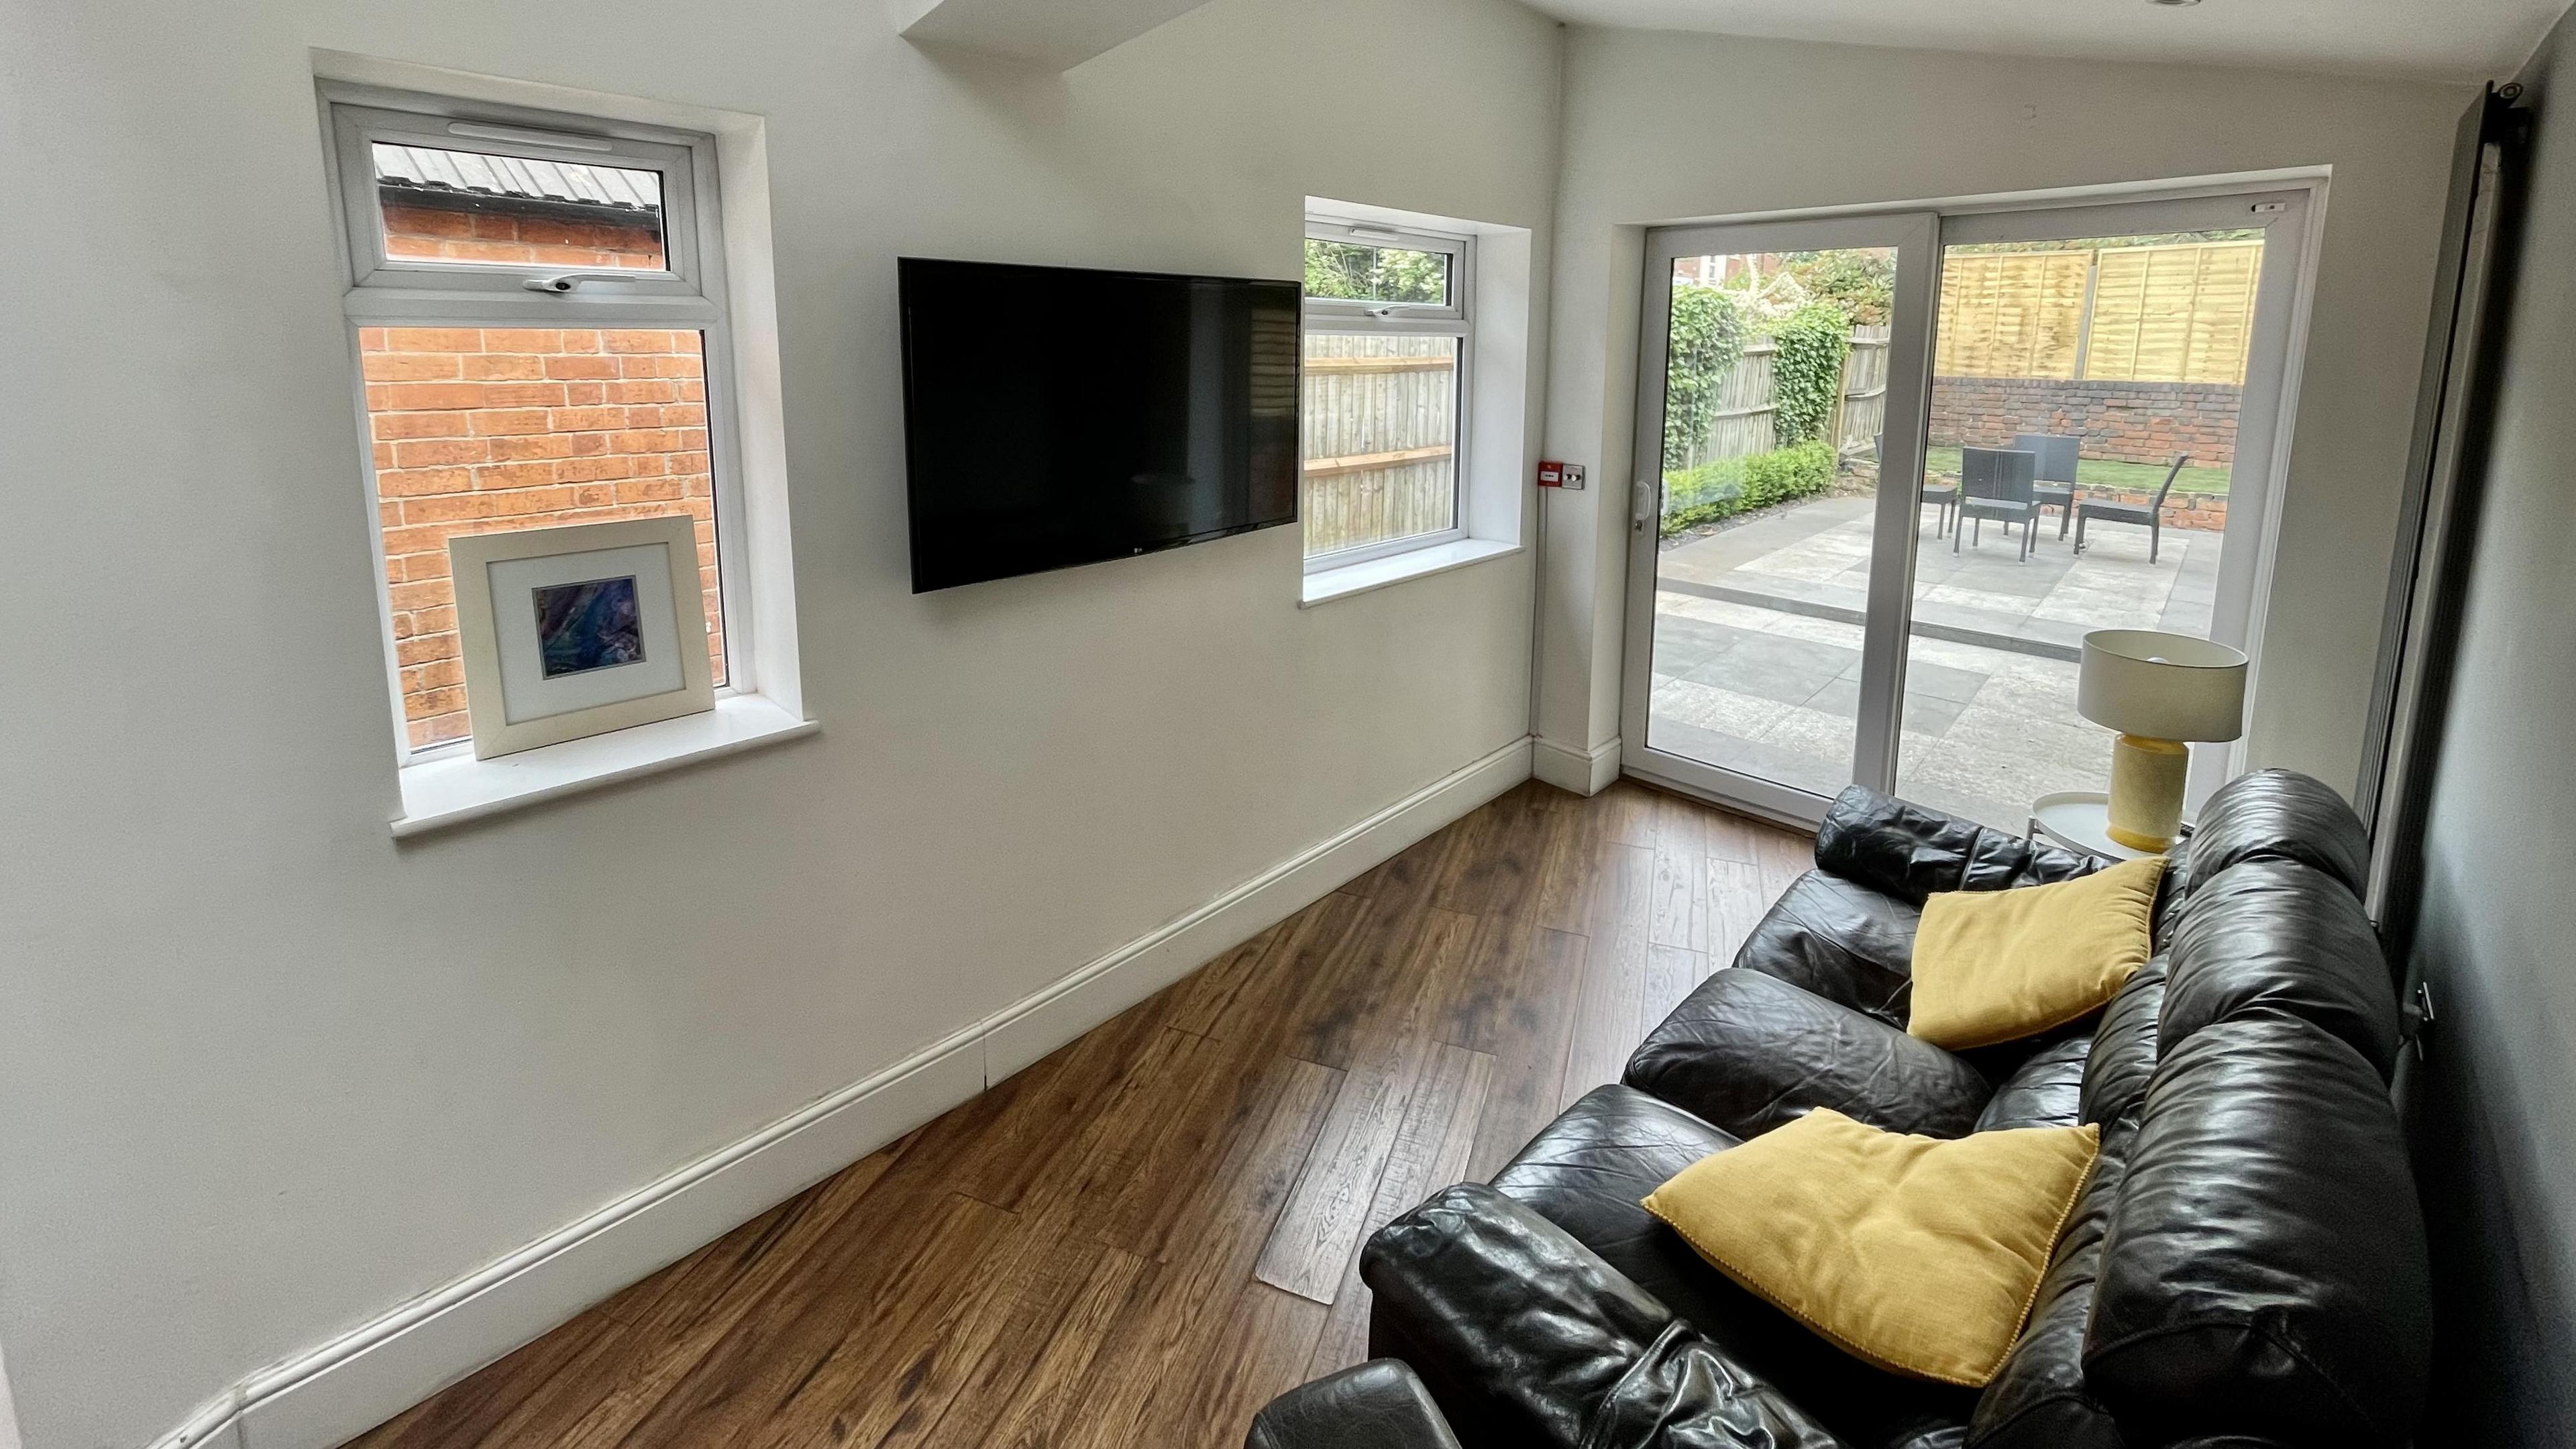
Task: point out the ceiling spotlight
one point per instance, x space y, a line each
2173 4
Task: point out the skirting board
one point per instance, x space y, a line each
351 1384
1583 771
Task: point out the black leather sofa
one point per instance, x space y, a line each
2247 1266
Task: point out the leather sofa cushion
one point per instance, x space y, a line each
1687 1391
1842 940
1906 851
1528 1331
2279 815
1589 1172
2038 1400
2279 936
1544 1343
2265 1269
2045 1091
2123 1056
1380 1404
1747 1052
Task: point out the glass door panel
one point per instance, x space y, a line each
2087 433
1761 440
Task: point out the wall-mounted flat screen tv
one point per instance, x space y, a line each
1056 416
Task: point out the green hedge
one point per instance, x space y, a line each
1730 486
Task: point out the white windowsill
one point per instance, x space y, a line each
457 788
1325 585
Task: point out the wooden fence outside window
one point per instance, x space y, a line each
1381 438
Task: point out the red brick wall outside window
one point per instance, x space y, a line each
426 233
487 429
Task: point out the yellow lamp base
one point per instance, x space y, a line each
2146 791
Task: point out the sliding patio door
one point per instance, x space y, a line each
1780 418
2135 352
1822 592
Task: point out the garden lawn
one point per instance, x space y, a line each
2102 473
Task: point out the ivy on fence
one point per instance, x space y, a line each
1807 370
1706 342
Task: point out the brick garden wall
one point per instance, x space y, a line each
489 429
445 234
483 429
2130 422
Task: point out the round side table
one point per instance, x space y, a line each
2078 820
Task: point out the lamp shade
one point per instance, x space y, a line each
2162 686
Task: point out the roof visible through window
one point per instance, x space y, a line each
479 208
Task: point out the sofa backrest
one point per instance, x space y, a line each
2279 815
1906 851
2250 1259
2265 1269
2277 937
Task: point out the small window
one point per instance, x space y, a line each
540 329
1356 272
1388 335
486 209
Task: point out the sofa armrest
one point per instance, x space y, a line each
1378 1405
1532 1338
1747 1052
1910 852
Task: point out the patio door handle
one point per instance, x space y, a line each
1648 496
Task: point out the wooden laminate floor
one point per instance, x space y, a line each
1141 1239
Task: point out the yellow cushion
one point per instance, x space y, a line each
1918 1255
1994 966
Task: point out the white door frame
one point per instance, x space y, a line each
2289 213
1916 237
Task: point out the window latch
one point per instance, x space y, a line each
565 283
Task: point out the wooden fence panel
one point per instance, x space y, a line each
2174 314
2182 312
1741 411
2012 314
1380 427
1864 410
1744 415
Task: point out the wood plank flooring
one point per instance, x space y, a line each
1142 1238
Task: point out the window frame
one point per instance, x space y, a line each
1455 319
689 295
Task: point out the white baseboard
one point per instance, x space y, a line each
1039 1024
1583 771
343 1388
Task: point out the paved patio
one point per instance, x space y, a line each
1758 640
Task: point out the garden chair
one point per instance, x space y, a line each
1944 497
2150 514
1997 483
2057 454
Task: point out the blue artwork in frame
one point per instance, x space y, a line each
594 624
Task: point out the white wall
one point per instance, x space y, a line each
1671 127
263 1075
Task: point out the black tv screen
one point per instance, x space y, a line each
1057 416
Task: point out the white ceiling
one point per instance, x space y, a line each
2449 39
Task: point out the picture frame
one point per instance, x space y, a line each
578 630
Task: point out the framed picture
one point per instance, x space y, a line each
576 631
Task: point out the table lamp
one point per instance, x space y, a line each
2158 690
